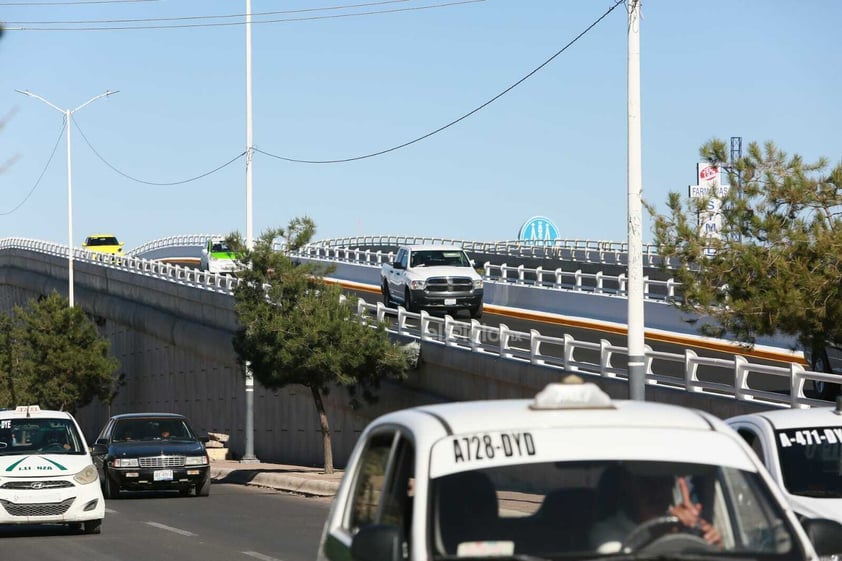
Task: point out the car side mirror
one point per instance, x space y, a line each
377 542
825 534
397 265
99 449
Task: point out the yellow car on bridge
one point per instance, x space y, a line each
104 243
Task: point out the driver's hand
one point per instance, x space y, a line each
689 513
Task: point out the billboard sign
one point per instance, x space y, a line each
710 186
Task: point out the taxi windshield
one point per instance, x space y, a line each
39 436
811 461
586 509
220 247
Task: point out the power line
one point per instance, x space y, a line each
228 24
190 18
43 171
162 184
455 121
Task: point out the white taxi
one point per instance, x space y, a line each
569 474
802 450
46 472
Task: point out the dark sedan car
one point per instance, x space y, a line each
151 451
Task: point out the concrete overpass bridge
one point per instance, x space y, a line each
170 325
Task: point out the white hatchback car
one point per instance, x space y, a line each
569 474
46 472
218 258
802 449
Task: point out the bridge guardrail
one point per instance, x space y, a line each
471 336
501 340
590 251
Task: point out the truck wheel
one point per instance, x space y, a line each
476 311
387 298
824 390
408 303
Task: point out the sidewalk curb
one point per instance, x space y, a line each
311 483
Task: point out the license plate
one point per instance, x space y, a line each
450 301
162 475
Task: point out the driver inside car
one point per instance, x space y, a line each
640 500
56 440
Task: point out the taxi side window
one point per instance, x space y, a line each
383 490
754 441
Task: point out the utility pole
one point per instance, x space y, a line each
248 454
67 113
637 359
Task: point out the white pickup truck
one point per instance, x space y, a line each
433 278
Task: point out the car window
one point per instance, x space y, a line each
811 461
128 430
384 483
545 508
40 436
102 240
753 440
220 247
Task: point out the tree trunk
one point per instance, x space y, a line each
320 407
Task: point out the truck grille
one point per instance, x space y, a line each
37 509
450 284
162 461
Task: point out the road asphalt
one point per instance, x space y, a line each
294 479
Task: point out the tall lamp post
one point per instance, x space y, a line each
67 113
636 341
248 454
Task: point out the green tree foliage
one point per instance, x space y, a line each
52 355
297 330
778 265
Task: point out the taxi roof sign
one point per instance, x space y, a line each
27 409
573 394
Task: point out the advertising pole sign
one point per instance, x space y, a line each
710 187
538 230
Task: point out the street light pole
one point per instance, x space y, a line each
248 453
67 113
637 359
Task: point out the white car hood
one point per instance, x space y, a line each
427 272
31 466
817 508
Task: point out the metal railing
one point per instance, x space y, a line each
556 352
347 250
535 348
584 251
171 241
188 276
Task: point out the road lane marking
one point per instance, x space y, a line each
260 556
171 529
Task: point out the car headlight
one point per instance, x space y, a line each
195 460
418 284
477 283
124 462
86 476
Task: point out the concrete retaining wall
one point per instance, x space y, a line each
174 346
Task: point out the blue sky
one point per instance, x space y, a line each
339 87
